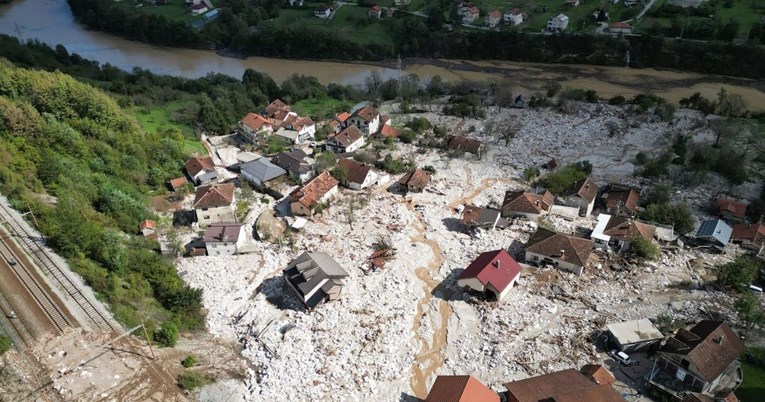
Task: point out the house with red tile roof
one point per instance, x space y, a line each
527 205
201 170
375 12
598 374
515 16
254 125
493 271
148 228
277 108
565 252
177 183
469 12
359 175
616 232
623 202
347 140
493 19
730 210
214 203
305 199
366 119
460 388
749 234
620 28
414 181
465 144
582 194
561 386
702 359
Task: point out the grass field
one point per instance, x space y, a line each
161 118
746 12
320 108
174 10
350 21
753 387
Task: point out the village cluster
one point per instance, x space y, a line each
698 364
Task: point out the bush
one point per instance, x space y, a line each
530 173
617 100
189 361
677 215
643 248
191 381
418 124
167 335
738 274
430 169
5 343
558 182
407 136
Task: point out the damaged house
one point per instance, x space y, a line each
703 360
315 277
305 199
527 205
582 194
493 271
565 252
616 233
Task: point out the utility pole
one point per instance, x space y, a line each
146 333
18 32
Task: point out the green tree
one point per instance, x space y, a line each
189 361
167 335
5 343
739 273
749 311
644 248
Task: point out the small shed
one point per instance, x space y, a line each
633 336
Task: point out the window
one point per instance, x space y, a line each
206 217
681 374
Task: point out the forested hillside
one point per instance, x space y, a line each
65 139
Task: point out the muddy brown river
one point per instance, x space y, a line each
51 21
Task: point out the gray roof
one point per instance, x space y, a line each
487 216
291 135
262 169
293 162
715 230
314 273
208 176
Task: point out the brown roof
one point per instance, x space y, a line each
598 393
460 388
495 14
255 121
417 178
389 131
176 183
523 201
548 243
367 113
585 188
342 117
147 224
710 345
598 374
310 193
215 195
623 198
626 229
197 164
355 172
302 122
470 214
694 397
276 106
287 117
348 136
749 231
735 208
620 24
223 232
461 143
545 386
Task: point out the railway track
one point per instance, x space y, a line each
34 288
22 332
41 257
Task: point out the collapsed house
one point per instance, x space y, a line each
315 277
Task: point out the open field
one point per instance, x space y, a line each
350 21
321 108
174 10
753 387
161 117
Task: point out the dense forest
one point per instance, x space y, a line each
246 29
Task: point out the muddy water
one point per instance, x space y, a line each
430 356
51 21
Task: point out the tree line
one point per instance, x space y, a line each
246 29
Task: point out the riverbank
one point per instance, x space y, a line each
53 23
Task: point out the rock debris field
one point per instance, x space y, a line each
394 330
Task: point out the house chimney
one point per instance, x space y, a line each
562 252
718 340
496 264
